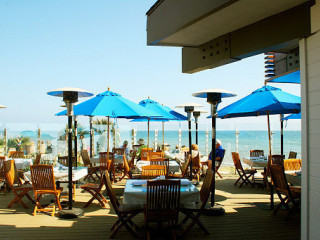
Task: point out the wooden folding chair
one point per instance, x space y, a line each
196 166
163 202
131 162
16 154
14 182
244 175
292 155
256 153
95 191
291 194
125 213
193 211
154 155
152 171
218 164
125 168
161 161
183 168
107 163
144 153
91 169
44 183
3 174
37 160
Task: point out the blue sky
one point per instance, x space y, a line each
46 45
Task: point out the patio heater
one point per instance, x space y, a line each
70 96
196 115
213 97
189 108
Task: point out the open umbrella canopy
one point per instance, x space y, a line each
293 77
263 101
165 112
293 116
112 105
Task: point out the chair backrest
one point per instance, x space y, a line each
2 160
196 162
112 196
42 177
163 200
279 179
64 161
37 160
292 155
144 153
237 162
154 155
206 187
106 161
131 162
85 158
16 154
118 151
256 153
292 164
152 171
11 173
184 167
162 162
278 159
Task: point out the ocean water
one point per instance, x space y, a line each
248 140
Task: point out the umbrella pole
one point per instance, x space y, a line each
163 135
281 124
108 138
270 156
76 140
148 132
91 136
190 151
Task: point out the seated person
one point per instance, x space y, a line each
195 150
166 151
219 153
176 150
126 148
142 145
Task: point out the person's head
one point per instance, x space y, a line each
218 143
183 146
125 143
81 137
141 141
194 147
177 146
166 147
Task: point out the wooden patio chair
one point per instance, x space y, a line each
196 167
64 161
118 151
285 192
125 167
163 202
218 164
131 162
244 175
16 154
193 211
14 182
152 171
44 183
3 174
92 170
95 191
273 159
107 163
256 153
292 155
37 160
154 155
125 213
184 170
292 164
162 162
144 153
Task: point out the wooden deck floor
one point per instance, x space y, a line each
244 219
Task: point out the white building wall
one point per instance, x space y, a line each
310 93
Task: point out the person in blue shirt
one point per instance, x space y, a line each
219 153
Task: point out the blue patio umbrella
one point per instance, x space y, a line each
167 114
111 104
292 116
267 100
292 77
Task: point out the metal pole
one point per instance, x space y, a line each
190 151
162 133
281 124
270 156
148 133
213 153
76 140
70 160
5 141
91 136
108 138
